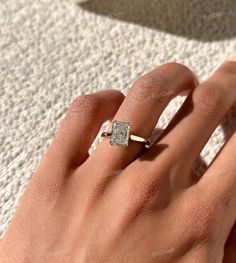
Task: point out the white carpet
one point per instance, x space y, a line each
55 50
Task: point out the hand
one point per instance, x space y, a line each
127 204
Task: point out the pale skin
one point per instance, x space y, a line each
126 204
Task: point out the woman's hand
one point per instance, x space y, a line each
126 204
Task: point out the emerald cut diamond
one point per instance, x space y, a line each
120 133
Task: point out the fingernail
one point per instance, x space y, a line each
232 58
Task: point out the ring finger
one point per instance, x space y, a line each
146 100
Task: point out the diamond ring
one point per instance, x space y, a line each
120 135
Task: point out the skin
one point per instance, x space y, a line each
128 204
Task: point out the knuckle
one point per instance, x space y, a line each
226 75
228 68
201 218
84 103
101 186
146 194
144 198
210 99
180 67
152 87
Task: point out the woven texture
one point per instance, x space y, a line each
55 50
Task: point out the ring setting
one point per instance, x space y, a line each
121 135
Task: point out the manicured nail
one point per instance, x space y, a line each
232 58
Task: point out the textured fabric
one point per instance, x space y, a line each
54 50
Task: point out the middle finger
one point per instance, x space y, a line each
192 126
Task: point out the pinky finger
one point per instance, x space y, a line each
82 122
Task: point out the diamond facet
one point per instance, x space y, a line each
120 133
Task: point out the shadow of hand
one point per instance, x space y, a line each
197 19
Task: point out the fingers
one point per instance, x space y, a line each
221 176
83 119
198 117
146 100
